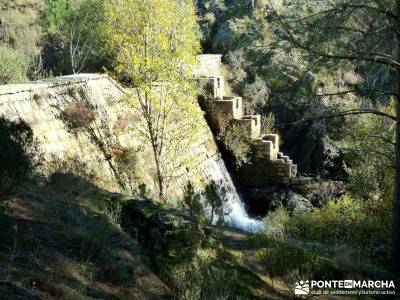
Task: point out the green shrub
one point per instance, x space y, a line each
191 204
20 25
215 198
7 223
236 140
292 261
207 206
343 221
280 257
94 238
257 92
203 278
19 154
13 65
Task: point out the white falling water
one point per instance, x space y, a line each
237 216
239 219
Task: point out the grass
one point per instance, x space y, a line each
67 249
69 245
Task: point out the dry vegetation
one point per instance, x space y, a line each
62 246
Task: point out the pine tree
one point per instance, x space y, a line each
356 34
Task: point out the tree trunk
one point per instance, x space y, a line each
396 199
160 178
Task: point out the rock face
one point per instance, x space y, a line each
262 200
312 151
300 196
317 191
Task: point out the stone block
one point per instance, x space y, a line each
274 138
254 125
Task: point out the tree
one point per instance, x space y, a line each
19 154
72 42
191 204
78 54
215 201
357 35
154 42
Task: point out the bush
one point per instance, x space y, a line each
344 221
236 140
191 204
257 92
215 201
280 258
7 226
19 154
208 206
292 261
94 238
13 65
77 115
204 278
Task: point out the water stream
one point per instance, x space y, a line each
236 215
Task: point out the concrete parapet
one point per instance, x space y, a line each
221 112
264 150
229 107
255 125
237 106
213 87
264 171
274 138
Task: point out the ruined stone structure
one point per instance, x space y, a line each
268 164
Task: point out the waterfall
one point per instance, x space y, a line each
239 219
236 215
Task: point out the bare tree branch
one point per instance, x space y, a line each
379 58
342 114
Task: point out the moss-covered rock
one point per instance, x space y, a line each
162 230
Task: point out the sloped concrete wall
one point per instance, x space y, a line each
41 103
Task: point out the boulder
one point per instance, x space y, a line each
317 191
262 200
160 229
297 204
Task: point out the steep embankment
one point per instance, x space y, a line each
60 239
61 245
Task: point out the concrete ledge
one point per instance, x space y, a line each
51 82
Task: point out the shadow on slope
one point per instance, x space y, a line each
61 246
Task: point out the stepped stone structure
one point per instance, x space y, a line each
40 104
268 164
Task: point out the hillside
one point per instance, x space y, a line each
199 149
62 246
65 242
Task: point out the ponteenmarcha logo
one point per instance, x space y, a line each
341 287
302 287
